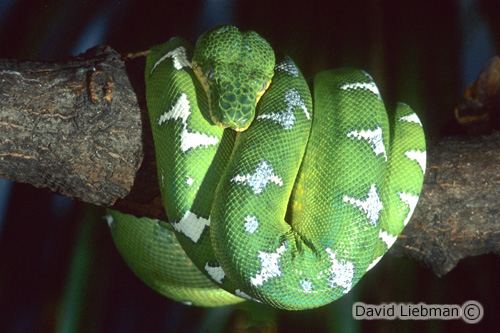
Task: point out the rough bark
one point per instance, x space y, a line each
79 127
68 126
458 213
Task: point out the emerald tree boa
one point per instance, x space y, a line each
272 195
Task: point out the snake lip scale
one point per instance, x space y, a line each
269 198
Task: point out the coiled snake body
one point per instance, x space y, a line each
293 207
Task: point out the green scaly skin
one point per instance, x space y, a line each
292 211
233 84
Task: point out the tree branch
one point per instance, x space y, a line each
80 127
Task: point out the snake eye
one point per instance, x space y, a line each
210 74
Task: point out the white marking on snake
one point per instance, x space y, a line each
411 200
270 266
216 273
109 220
419 156
370 86
342 273
181 111
179 58
287 66
374 262
412 118
162 179
287 118
258 180
191 225
223 30
368 76
189 180
371 205
244 295
386 238
374 138
251 224
292 98
283 118
306 285
193 140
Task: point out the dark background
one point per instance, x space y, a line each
59 270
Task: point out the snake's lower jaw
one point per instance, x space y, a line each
241 129
234 125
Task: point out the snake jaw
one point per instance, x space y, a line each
206 78
259 95
203 80
235 68
263 89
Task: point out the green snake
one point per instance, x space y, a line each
268 198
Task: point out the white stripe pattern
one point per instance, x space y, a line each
374 138
287 118
419 156
191 226
412 118
216 273
258 181
342 273
369 86
181 111
179 57
270 266
371 205
411 200
386 238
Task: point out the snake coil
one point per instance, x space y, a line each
290 209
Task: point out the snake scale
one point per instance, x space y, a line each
269 198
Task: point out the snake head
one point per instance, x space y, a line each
235 69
